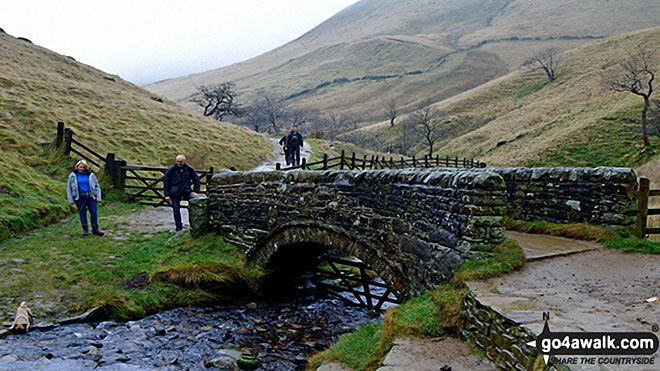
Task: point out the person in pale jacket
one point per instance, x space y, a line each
83 188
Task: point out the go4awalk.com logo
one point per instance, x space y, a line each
610 348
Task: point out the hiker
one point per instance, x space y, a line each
294 143
282 142
83 188
177 187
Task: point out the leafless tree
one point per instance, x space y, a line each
338 122
391 111
635 75
654 118
547 60
430 122
274 110
298 116
218 101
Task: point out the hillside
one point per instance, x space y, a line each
415 50
38 88
521 119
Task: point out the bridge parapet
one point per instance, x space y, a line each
414 227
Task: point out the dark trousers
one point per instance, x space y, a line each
176 208
294 155
85 203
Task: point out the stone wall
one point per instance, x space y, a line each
415 227
571 195
502 338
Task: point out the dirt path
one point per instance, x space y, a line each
157 219
277 155
591 290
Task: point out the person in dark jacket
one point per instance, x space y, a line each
294 143
177 181
283 142
83 188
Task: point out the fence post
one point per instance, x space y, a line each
209 176
364 162
391 162
447 161
353 161
437 160
456 162
426 161
341 162
642 207
68 135
371 165
325 161
278 166
403 164
303 163
60 135
414 161
112 170
121 185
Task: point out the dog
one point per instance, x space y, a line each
23 317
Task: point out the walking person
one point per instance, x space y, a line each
177 181
283 143
83 188
294 144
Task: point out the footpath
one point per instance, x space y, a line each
583 286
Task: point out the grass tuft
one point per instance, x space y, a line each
508 257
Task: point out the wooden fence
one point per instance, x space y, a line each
343 162
643 193
144 183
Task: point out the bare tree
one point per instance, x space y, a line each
635 75
547 60
391 111
218 101
337 122
430 122
253 117
274 110
298 116
654 118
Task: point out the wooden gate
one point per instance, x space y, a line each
358 286
144 184
643 212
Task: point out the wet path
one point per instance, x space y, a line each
282 335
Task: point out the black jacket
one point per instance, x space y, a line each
177 181
295 140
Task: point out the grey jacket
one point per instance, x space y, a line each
72 187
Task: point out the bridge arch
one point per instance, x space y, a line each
308 235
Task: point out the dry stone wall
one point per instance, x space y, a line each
571 195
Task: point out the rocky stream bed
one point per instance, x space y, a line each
281 335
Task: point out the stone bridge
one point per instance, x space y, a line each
414 227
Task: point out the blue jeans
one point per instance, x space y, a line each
85 203
176 208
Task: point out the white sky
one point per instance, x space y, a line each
145 41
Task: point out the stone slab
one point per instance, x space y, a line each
431 355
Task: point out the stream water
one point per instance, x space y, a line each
281 334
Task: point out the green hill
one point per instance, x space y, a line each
416 50
38 88
521 119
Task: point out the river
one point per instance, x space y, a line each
281 334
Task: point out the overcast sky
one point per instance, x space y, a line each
145 41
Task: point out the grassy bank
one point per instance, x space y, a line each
433 314
61 272
39 88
